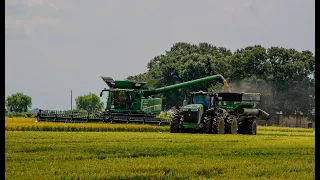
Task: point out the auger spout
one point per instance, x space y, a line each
208 79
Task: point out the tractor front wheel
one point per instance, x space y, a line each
176 126
208 125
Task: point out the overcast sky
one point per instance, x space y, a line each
54 46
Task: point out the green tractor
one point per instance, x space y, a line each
219 113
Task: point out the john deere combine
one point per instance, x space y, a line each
127 102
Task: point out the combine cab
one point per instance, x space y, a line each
219 113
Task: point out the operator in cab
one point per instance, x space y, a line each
213 98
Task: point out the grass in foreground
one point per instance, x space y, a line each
158 155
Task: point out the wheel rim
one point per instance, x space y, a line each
234 127
220 127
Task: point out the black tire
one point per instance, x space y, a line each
249 126
232 126
208 127
218 126
175 126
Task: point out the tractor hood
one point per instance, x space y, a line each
192 107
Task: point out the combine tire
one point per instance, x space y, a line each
232 126
249 126
176 124
218 126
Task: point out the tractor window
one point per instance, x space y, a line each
120 100
201 99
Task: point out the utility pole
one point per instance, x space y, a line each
71 100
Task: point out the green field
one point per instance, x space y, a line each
271 154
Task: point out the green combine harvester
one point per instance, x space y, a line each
127 102
209 112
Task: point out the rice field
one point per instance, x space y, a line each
30 124
34 152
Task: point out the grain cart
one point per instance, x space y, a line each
219 113
127 102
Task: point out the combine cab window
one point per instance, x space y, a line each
120 100
201 99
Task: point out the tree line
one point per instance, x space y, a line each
20 103
284 77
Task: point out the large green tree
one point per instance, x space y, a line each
18 102
292 79
282 76
89 102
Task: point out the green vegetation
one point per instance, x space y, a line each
90 102
18 103
19 114
139 155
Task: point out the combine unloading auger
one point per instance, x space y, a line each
128 102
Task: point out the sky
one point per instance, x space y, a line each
55 46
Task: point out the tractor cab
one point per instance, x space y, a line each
206 99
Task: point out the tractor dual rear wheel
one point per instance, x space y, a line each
218 126
232 126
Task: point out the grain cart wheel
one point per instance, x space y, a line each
249 127
218 125
232 126
176 123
